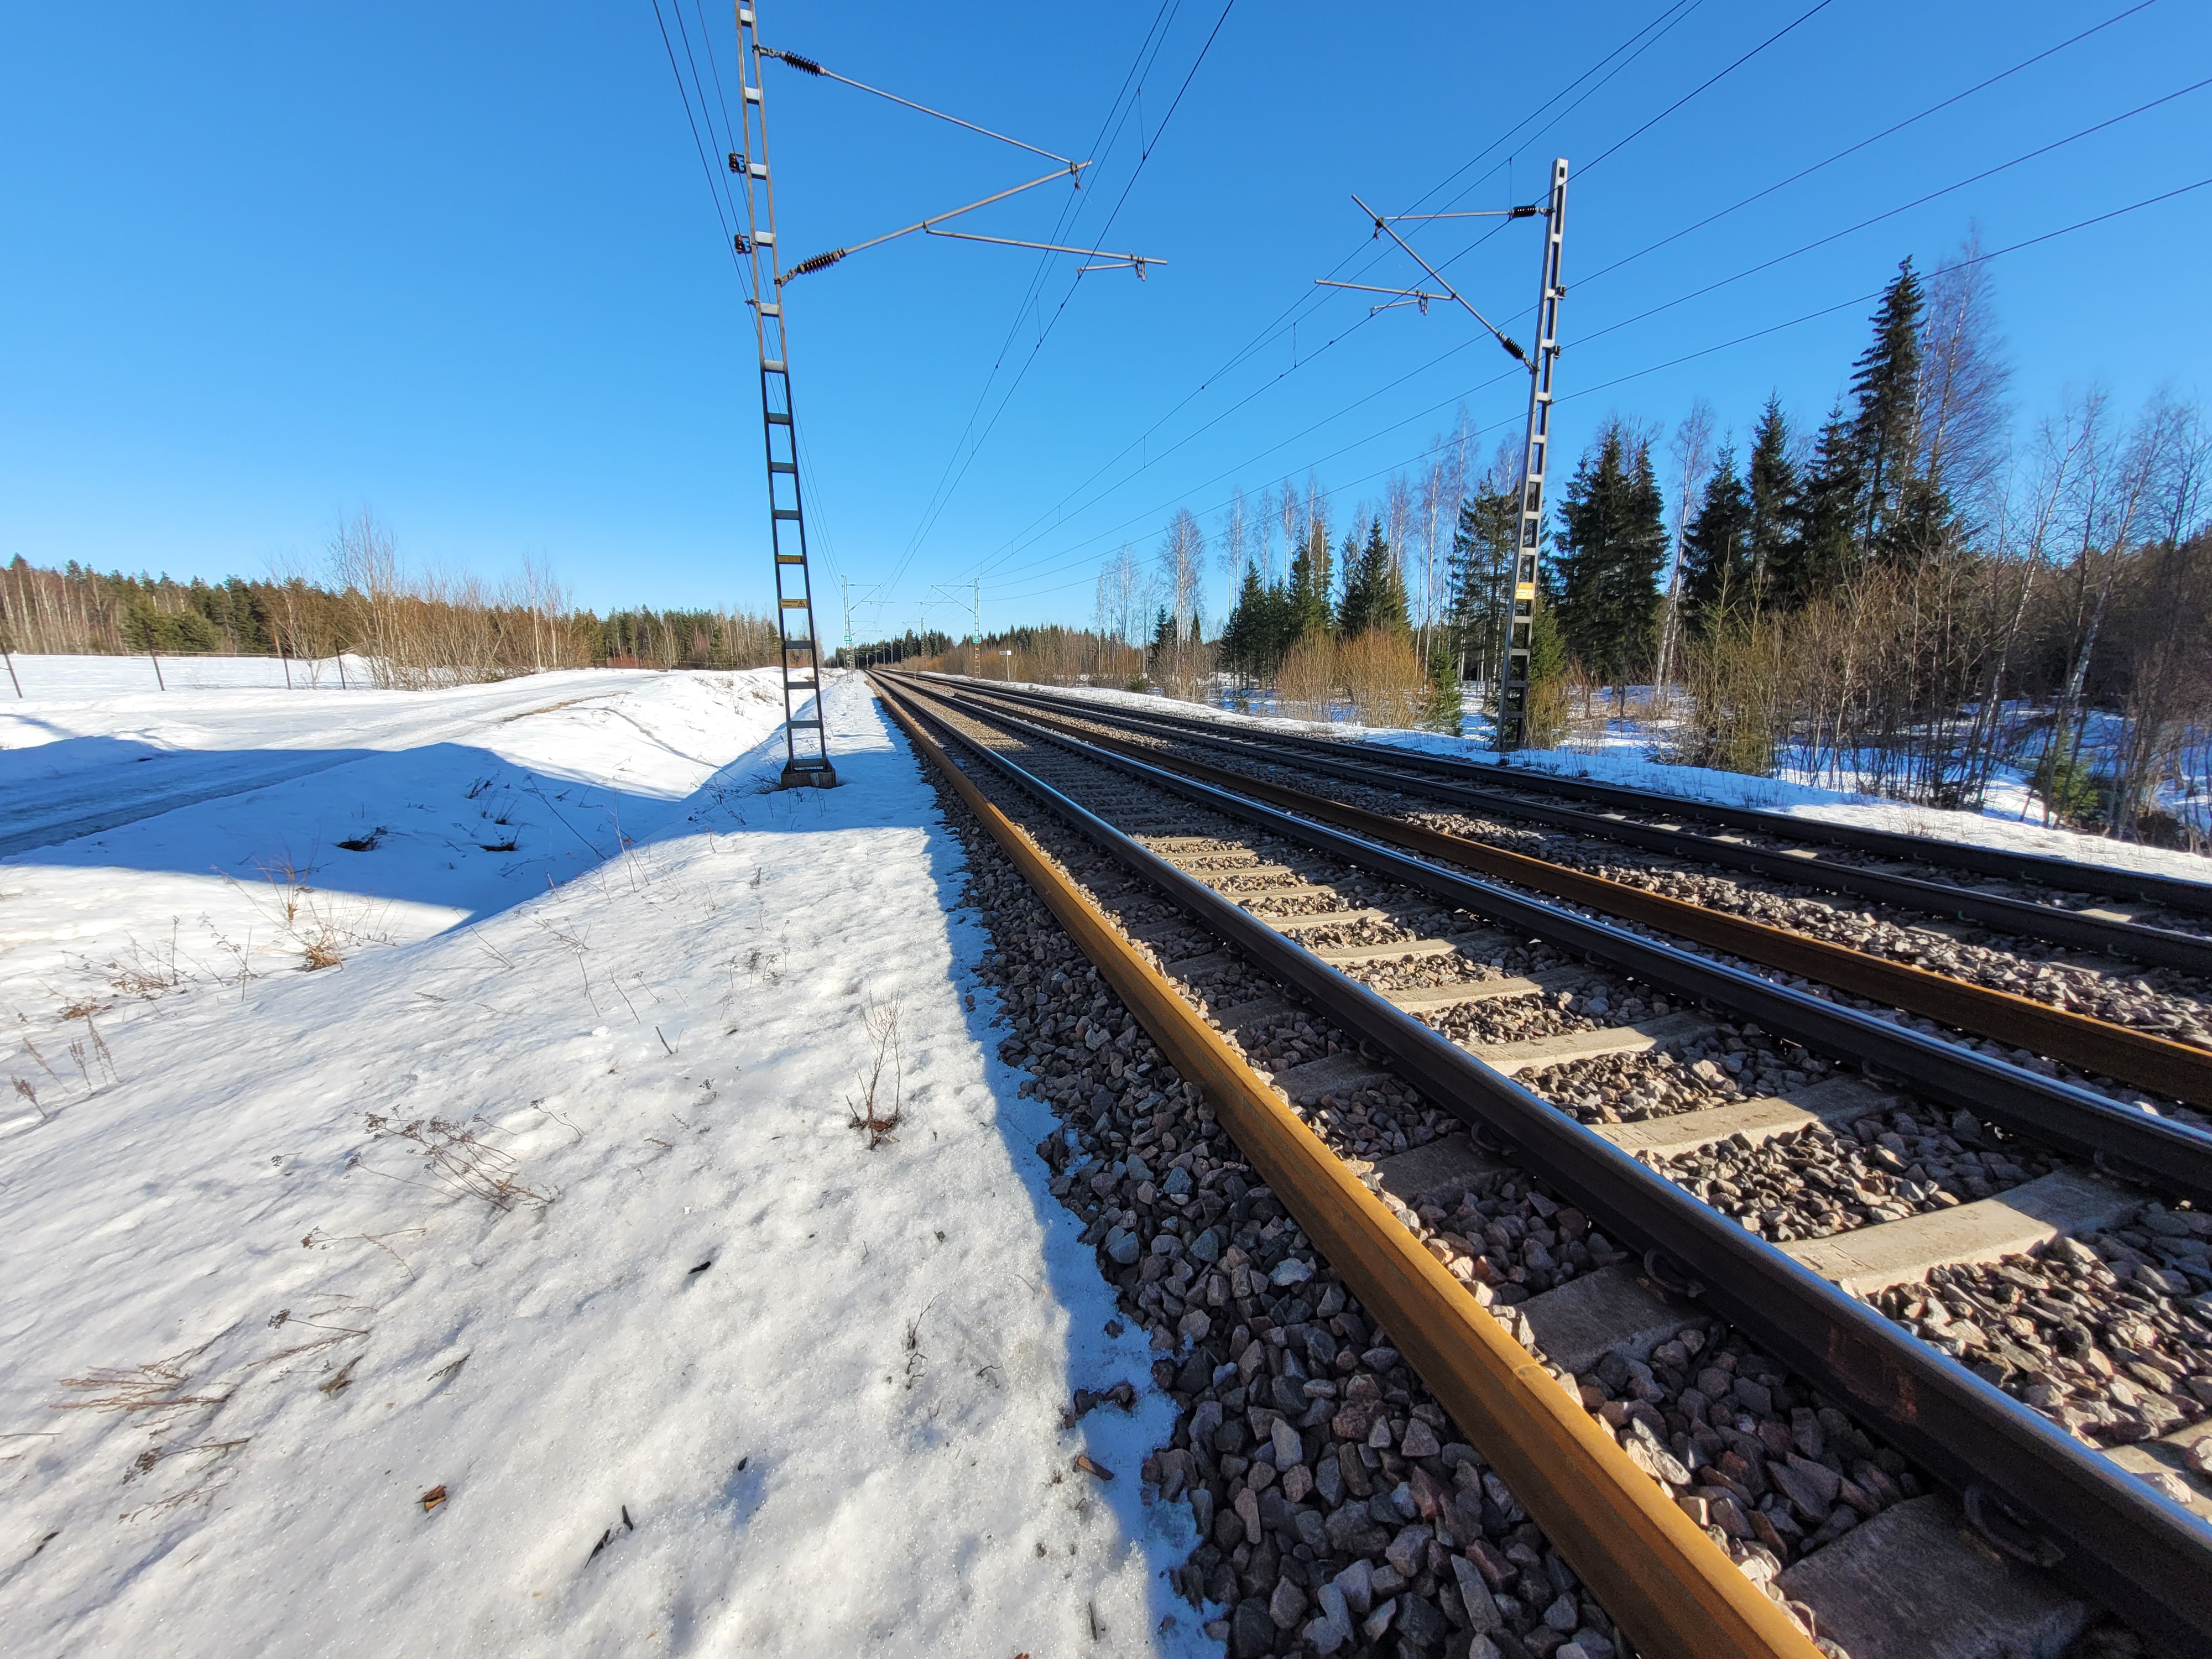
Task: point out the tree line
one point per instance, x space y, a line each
915 642
413 630
1902 598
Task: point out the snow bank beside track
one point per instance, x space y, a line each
561 1211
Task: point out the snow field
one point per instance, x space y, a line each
293 1248
80 676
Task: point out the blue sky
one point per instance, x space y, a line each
267 265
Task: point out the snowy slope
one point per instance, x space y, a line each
230 812
292 1248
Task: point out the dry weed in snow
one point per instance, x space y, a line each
877 1120
459 1161
157 1393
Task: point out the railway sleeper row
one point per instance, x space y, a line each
1944 1257
2165 1001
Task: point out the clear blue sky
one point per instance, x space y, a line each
265 264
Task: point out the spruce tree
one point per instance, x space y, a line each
1446 712
1481 559
1374 594
1280 630
1613 537
1546 706
1243 637
1387 583
1351 599
1772 481
1822 548
1717 550
1352 603
1308 588
1885 381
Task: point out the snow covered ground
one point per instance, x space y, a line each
1621 757
77 677
514 1283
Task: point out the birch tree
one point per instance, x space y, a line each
1691 451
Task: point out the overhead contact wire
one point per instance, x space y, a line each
1866 298
1145 156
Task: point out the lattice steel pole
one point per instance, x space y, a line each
1521 620
806 744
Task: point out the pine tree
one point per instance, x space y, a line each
1613 537
1717 550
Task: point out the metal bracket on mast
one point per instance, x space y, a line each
807 740
1402 297
809 762
1519 623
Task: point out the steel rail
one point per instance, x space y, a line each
1674 1591
2121 1545
2164 947
2174 1069
2157 1153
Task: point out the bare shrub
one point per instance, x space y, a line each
1383 676
877 1121
423 629
1306 682
459 1161
1736 681
322 928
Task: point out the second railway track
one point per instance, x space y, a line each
1924 1196
1981 997
2114 906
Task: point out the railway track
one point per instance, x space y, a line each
1395 998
